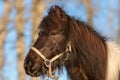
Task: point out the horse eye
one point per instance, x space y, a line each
53 33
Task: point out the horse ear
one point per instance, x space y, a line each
58 8
57 11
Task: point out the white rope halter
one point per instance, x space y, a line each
49 62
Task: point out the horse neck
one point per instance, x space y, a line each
84 42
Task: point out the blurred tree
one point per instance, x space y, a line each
111 18
3 30
89 10
20 21
37 13
119 22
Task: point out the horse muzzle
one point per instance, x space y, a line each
34 69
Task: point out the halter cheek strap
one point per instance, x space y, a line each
48 62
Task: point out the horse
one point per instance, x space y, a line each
64 40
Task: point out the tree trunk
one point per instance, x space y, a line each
20 20
37 11
89 11
3 32
111 16
119 23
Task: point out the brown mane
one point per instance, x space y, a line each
89 50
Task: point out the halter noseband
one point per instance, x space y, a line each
48 62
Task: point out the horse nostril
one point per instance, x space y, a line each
32 68
27 65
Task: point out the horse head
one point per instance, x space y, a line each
47 53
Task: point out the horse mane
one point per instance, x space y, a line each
89 50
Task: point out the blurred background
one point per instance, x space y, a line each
19 20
